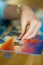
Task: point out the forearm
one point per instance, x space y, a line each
11 12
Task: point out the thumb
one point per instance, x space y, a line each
23 26
23 32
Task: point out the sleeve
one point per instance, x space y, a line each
2 9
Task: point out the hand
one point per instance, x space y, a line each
29 19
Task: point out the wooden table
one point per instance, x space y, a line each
20 59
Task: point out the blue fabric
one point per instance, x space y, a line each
2 9
41 29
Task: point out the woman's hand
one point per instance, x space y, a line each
29 23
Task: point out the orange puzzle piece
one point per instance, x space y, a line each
8 45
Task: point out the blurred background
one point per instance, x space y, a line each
31 3
21 59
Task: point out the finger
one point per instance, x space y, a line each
24 31
31 29
23 26
35 31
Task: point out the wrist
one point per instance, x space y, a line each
19 9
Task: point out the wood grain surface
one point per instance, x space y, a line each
20 59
